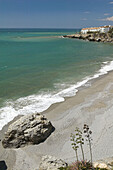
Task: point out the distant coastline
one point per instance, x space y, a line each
96 37
97 34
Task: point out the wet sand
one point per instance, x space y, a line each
92 105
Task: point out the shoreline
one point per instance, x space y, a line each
74 99
75 88
91 105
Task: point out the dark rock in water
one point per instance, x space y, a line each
98 39
51 163
64 36
30 129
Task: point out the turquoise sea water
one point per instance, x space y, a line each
39 68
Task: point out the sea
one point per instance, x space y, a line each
38 67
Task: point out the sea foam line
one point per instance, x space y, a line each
39 103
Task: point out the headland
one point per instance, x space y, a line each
97 34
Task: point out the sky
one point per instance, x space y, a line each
55 13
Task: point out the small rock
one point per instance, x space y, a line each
109 162
91 39
98 39
100 165
51 163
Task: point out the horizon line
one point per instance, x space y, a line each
35 28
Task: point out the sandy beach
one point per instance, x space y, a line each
92 105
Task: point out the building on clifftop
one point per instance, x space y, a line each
103 29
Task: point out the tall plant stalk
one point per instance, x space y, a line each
80 140
74 145
90 151
82 151
89 139
76 154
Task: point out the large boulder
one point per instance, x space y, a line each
51 163
30 129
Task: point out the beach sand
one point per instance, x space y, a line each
92 105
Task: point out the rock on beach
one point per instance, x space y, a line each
29 129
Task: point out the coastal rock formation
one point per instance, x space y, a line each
51 163
98 37
30 129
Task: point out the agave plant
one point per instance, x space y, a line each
77 140
74 144
80 140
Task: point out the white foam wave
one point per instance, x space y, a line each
39 103
27 105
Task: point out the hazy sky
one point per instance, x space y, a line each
55 13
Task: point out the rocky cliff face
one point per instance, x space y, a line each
30 129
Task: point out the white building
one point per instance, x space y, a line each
103 29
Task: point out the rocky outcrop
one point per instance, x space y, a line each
30 129
98 37
51 163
